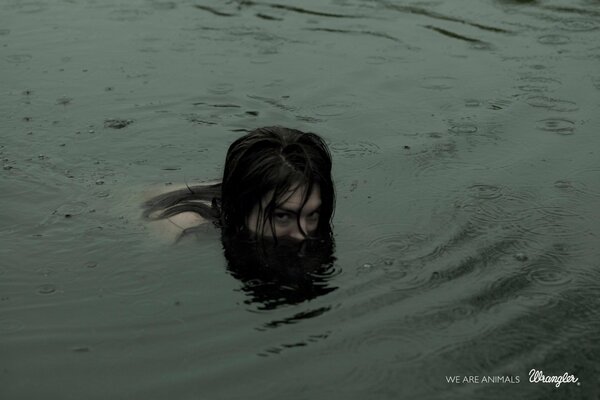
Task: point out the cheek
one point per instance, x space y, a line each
278 231
253 224
252 220
267 231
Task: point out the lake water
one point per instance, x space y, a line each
465 144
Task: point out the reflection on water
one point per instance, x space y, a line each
281 272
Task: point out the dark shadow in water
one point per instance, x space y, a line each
298 9
282 272
518 1
432 14
213 11
278 349
361 32
485 256
249 3
573 10
310 12
296 318
453 35
268 17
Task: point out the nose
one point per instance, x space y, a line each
299 231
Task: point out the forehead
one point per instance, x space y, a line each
293 199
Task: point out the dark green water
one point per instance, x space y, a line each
465 143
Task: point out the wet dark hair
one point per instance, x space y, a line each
270 159
274 159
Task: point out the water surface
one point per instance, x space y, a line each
465 145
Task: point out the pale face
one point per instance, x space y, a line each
290 219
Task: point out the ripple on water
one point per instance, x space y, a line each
479 45
132 283
8 326
548 272
552 104
520 248
556 211
563 184
332 109
18 58
494 350
46 289
435 135
396 243
533 88
463 128
440 318
383 256
220 88
472 103
355 149
485 192
393 339
549 225
560 126
451 240
283 347
438 82
499 104
431 166
586 181
554 39
580 24
71 208
534 301
373 371
537 84
377 60
489 203
446 321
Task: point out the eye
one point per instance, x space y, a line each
313 216
282 218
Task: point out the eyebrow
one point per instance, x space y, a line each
292 211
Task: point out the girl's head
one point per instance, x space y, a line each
277 182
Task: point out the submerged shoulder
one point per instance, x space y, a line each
171 228
186 220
